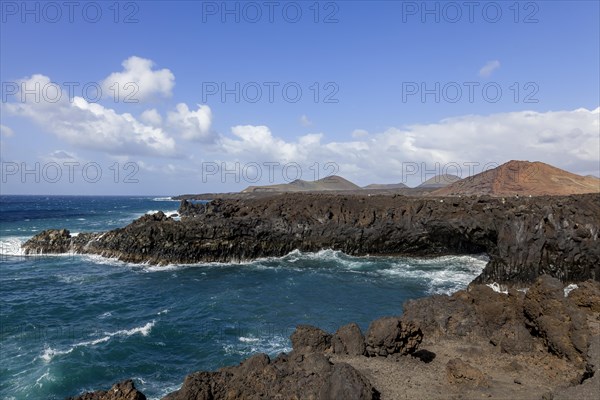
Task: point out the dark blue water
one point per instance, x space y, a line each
73 323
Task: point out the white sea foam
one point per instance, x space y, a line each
163 391
248 339
164 199
76 279
169 213
497 287
49 353
248 345
115 262
444 275
168 267
570 288
142 381
143 330
46 376
11 245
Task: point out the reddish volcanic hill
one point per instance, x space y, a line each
522 178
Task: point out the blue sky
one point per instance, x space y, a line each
361 68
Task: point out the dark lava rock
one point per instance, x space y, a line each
460 372
309 339
389 335
120 391
54 241
294 376
551 316
349 340
524 237
188 209
51 241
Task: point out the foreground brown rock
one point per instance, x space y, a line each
556 320
308 339
392 336
349 340
586 296
120 391
479 343
524 237
306 373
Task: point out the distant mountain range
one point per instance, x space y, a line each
439 181
384 186
509 179
329 183
337 183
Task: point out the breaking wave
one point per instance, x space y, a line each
49 353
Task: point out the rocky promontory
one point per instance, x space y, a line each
524 237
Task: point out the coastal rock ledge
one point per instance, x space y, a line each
523 237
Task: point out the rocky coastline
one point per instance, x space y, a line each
542 342
524 237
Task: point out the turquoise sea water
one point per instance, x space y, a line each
72 323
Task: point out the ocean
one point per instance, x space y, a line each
73 323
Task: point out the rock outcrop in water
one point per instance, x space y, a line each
524 237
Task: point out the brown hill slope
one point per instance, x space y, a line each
333 182
522 178
384 186
439 181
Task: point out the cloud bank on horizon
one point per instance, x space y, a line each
566 138
232 105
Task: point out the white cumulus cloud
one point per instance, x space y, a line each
138 81
257 143
93 126
151 117
567 139
191 125
358 133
